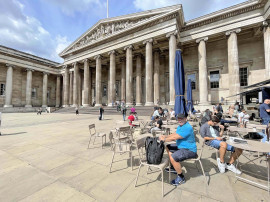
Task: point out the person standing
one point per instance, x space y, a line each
101 112
77 111
124 112
265 112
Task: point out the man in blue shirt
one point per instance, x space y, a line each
185 147
265 112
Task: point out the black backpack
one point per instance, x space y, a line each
154 150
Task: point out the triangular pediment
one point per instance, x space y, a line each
113 26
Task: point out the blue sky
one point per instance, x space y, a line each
45 27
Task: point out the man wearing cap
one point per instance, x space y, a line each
185 147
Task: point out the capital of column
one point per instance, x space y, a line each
202 39
148 41
9 65
98 57
85 60
46 73
112 52
266 23
74 64
228 33
138 55
157 50
28 69
128 47
172 33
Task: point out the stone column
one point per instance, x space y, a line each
86 84
58 91
66 86
45 90
90 86
123 78
149 72
172 49
266 36
70 88
79 87
98 80
29 88
203 74
233 65
112 89
75 85
9 86
129 76
139 80
156 77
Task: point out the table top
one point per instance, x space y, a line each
251 145
237 129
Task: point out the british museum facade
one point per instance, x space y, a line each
131 58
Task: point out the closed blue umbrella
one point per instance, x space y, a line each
179 84
189 97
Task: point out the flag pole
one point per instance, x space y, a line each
107 8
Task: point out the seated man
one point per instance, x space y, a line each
185 147
158 124
210 132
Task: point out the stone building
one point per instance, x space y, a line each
131 57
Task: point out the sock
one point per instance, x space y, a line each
181 175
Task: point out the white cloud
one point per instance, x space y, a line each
150 4
69 7
192 8
26 33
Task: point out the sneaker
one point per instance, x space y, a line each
170 171
221 166
178 180
233 169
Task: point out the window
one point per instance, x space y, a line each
243 76
192 77
214 79
34 93
2 89
117 84
104 90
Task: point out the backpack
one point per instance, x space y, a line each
154 150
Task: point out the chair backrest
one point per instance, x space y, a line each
141 148
92 129
125 131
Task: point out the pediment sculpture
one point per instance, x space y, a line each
107 29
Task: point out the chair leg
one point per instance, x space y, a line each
162 183
196 163
94 140
112 162
89 141
138 175
131 161
216 153
169 172
203 172
101 142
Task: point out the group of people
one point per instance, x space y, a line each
211 130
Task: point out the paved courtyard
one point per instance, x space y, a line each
45 158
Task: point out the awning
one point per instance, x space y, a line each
262 83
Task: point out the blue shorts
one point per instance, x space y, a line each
216 144
180 154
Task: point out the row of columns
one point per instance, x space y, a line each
28 99
152 97
233 66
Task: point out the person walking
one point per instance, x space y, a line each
101 112
124 111
265 112
77 111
